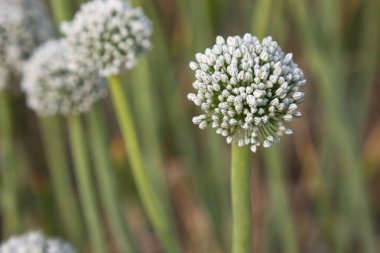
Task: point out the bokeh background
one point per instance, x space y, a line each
318 191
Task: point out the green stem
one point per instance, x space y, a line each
241 199
86 187
8 168
151 202
262 17
106 179
148 120
60 174
62 10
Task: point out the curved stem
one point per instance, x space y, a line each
148 120
151 202
241 199
8 168
106 180
86 187
60 174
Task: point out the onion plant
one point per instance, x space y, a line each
110 36
53 87
248 91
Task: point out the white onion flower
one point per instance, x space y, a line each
52 87
24 25
35 242
108 35
248 90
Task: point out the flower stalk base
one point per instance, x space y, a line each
241 199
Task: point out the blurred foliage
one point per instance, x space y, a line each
315 192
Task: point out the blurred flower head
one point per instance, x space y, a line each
35 242
108 35
248 90
52 87
24 25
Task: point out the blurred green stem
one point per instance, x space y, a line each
283 220
62 10
8 168
106 180
241 199
60 174
86 187
148 121
151 202
261 17
54 147
368 64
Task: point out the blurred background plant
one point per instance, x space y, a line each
316 192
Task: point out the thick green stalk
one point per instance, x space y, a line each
105 175
85 184
241 199
9 169
151 202
60 174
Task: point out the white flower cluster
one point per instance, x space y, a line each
52 87
24 25
35 242
247 89
108 35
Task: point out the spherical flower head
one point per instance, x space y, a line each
108 35
248 90
35 242
24 25
53 87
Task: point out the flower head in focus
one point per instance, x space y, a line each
248 90
35 242
52 87
24 25
108 35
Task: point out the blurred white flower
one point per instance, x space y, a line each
54 88
248 90
35 242
24 25
108 35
